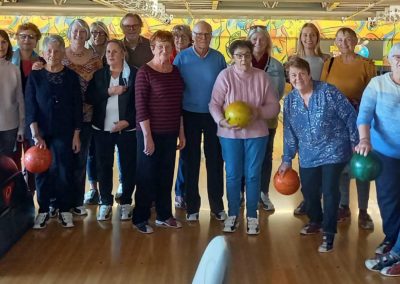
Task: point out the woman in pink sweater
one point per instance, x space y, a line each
243 149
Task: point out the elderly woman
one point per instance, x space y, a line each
54 114
379 127
112 94
262 59
159 90
12 112
98 41
85 62
319 125
308 48
182 40
350 73
24 57
243 149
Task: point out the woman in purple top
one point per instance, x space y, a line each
159 90
243 149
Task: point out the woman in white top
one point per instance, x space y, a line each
12 112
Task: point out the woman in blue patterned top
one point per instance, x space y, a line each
319 125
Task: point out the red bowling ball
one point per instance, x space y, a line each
288 183
37 160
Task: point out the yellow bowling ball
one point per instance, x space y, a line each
238 114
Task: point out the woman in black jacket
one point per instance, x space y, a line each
112 94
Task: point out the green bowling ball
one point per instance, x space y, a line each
365 168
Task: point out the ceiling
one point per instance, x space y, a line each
287 9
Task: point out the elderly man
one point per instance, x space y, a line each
138 47
199 66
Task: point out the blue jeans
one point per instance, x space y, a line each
388 195
317 182
91 162
243 157
180 181
362 190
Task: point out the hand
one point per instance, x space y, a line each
117 90
149 146
283 168
38 65
76 143
225 124
181 141
364 147
39 142
119 126
20 137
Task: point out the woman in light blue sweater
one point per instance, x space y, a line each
379 127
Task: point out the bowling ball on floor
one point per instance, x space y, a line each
288 183
37 160
238 114
365 168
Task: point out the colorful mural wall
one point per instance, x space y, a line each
283 32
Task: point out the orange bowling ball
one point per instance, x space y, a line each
288 183
238 113
37 160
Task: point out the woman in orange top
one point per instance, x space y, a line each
350 73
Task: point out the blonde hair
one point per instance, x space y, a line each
263 30
300 47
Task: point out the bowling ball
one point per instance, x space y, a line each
287 184
365 168
37 160
8 169
238 114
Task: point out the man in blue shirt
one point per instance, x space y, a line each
199 67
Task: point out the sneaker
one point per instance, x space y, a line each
230 224
384 248
327 243
105 212
192 217
311 229
300 209
91 197
169 223
144 228
41 220
252 226
118 194
79 211
365 222
380 262
125 212
221 216
266 202
52 212
393 270
343 214
180 202
65 218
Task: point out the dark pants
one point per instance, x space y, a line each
388 195
180 180
22 147
91 162
267 163
105 148
8 139
197 124
317 182
57 181
79 163
155 176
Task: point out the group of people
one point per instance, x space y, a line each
146 98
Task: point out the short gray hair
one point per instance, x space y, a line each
395 50
53 39
81 23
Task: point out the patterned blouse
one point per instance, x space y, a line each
85 73
322 133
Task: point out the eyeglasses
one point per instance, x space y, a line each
202 34
131 27
25 36
246 55
98 34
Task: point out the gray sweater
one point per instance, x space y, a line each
12 110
